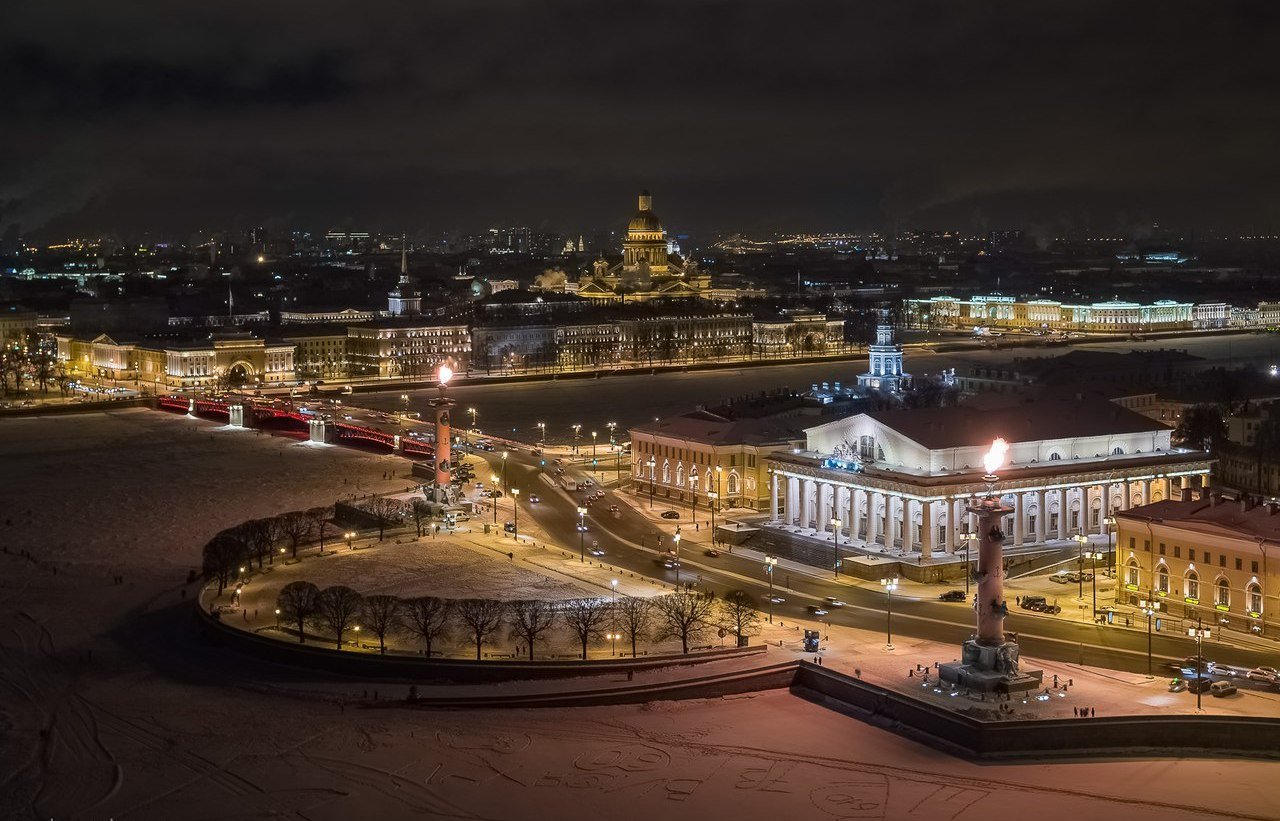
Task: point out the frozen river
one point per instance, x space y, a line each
515 408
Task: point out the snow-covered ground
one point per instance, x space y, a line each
111 705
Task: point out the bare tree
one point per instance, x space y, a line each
337 608
381 614
297 604
295 527
683 614
738 615
586 618
427 618
261 536
530 618
386 511
482 618
421 513
223 554
635 618
319 517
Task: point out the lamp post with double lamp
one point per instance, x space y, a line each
693 480
770 562
835 534
471 411
542 436
582 535
653 465
504 468
515 513
577 430
1081 540
1199 633
350 535
711 503
404 397
594 463
356 641
889 586
675 537
1150 607
968 539
1093 556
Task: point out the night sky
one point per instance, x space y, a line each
739 116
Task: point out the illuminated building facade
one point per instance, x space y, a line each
1050 315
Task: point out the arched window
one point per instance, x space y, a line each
1162 579
1255 599
1055 456
1117 451
1191 585
1223 597
867 447
666 473
680 474
734 484
1132 579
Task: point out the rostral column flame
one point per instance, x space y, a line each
444 433
993 460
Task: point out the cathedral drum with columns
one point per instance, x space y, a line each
900 483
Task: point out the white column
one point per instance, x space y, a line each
825 492
1019 519
1062 514
773 497
873 521
793 499
855 520
904 521
953 537
927 532
1126 499
1042 515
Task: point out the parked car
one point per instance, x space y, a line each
1268 675
1059 578
1222 689
1199 685
509 527
1032 602
670 514
1177 685
952 595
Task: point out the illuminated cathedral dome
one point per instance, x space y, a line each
645 221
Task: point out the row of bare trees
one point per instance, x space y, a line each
257 540
685 615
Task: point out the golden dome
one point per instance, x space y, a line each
645 220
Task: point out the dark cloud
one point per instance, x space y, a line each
742 115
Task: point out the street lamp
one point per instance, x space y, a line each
515 513
614 638
1110 522
653 464
711 503
835 532
582 535
471 411
277 618
770 562
889 586
1093 556
593 456
676 538
542 435
968 539
1199 633
1081 540
404 397
350 535
504 468
1149 608
493 495
577 429
613 591
693 480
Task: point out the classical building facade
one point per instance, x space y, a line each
407 346
794 334
1209 558
647 270
1045 314
898 481
885 372
232 358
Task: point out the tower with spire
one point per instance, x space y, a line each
404 299
885 373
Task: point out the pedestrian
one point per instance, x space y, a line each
1019 601
1093 713
1075 711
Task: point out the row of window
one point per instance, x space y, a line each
1222 593
1206 556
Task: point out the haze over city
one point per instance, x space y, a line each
681 410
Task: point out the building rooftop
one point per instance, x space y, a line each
711 428
963 426
1242 517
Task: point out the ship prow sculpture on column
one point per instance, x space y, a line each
440 493
989 659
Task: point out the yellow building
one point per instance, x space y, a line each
1210 558
230 358
703 455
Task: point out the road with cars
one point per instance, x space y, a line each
632 542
